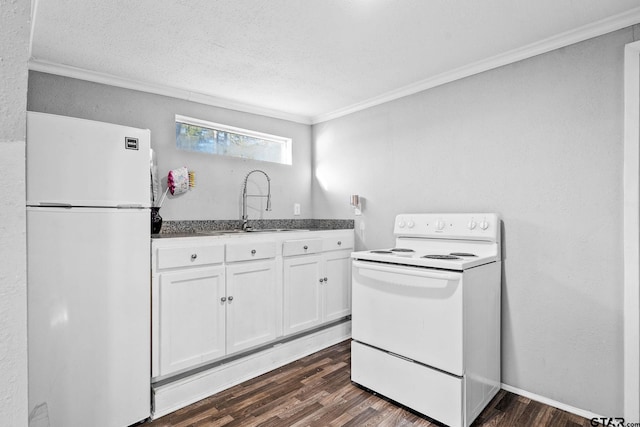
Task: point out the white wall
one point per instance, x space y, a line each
217 194
539 142
14 48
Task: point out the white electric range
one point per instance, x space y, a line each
426 315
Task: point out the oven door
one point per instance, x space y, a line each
413 312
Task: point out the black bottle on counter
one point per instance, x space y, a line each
156 220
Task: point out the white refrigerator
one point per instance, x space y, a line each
88 257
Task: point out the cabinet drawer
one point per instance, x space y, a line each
250 251
431 392
338 242
301 247
190 256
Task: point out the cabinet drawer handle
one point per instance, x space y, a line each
253 251
305 247
339 243
223 299
321 280
194 256
325 280
230 298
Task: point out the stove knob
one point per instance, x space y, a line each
484 225
440 224
472 225
410 224
401 224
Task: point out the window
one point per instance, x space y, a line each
214 138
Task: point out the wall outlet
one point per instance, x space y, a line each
296 208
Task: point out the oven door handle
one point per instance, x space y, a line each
408 272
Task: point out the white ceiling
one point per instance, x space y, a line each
304 60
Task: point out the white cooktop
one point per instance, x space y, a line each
460 241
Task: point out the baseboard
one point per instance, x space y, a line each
580 412
176 395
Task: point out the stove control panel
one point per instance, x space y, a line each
476 226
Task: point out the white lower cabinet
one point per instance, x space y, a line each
216 297
337 285
251 304
302 277
207 313
317 289
191 318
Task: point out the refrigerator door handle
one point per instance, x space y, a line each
54 205
130 206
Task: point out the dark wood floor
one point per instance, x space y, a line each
317 391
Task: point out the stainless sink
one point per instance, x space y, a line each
272 230
250 230
219 232
232 232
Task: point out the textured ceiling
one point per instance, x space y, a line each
305 58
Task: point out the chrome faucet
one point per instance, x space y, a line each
245 216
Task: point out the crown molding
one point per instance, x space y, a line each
158 89
586 32
595 29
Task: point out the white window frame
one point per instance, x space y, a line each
285 142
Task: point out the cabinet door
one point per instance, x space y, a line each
191 318
302 298
337 285
252 304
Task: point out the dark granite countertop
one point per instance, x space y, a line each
191 228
